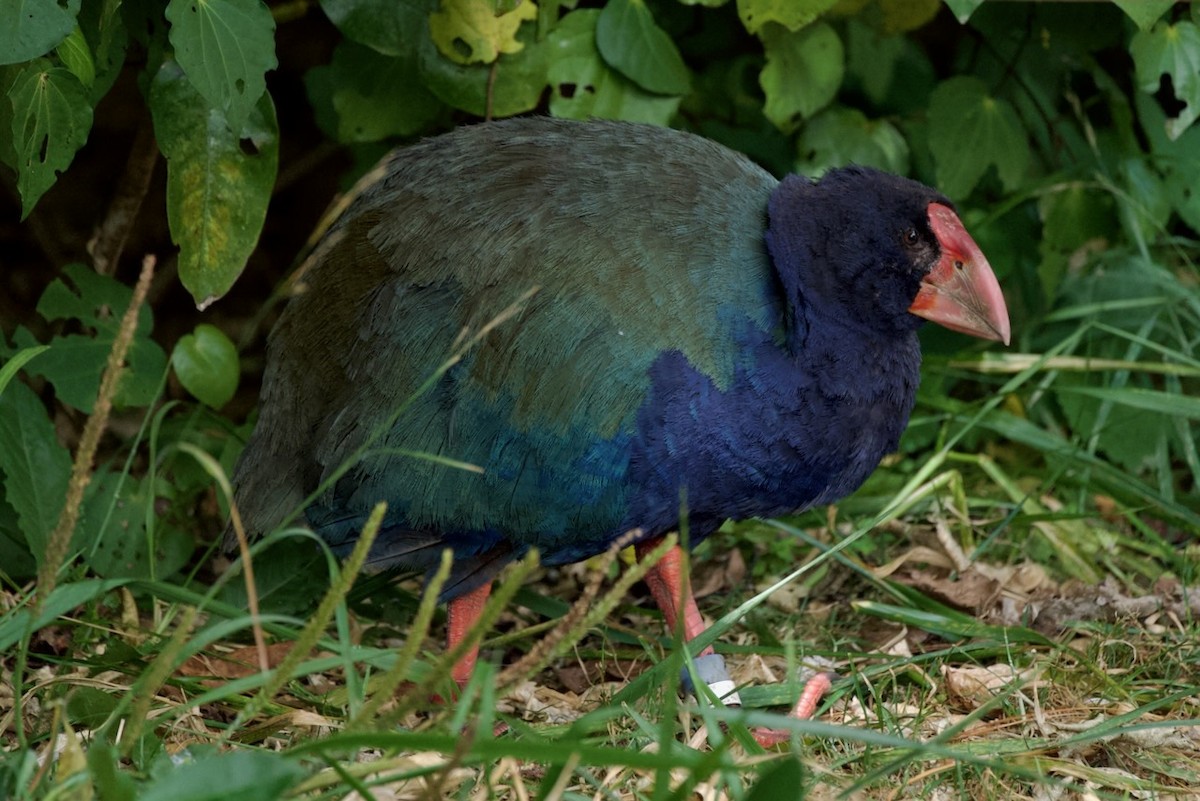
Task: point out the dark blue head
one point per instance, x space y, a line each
879 252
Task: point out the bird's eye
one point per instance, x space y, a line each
911 237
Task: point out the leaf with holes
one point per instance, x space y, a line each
583 86
226 48
632 44
520 78
471 32
802 74
32 28
969 130
218 185
1174 51
52 116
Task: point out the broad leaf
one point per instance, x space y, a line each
376 96
35 466
837 137
969 131
391 27
791 14
1172 50
1144 12
471 32
226 48
103 27
218 186
244 776
51 119
583 86
520 78
112 532
74 362
632 44
206 362
802 74
32 28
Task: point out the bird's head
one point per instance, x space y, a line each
884 251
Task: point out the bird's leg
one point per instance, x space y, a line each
666 584
672 594
463 613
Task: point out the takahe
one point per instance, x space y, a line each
696 327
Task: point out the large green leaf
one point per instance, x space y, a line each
969 130
218 185
472 32
76 56
112 531
103 27
74 362
51 119
32 28
963 9
802 73
1144 12
1172 50
841 136
244 776
376 96
633 44
36 468
391 27
1178 160
791 14
519 82
582 84
226 48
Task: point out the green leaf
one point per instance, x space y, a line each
802 73
841 136
51 119
391 27
471 32
1178 160
583 86
19 360
791 14
781 779
1144 12
65 598
963 9
206 362
111 783
226 48
376 96
520 78
1146 400
632 44
74 363
244 776
218 186
35 466
1172 50
969 131
112 531
77 57
32 28
104 28
15 555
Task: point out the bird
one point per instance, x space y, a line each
656 319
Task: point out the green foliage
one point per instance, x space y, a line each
206 362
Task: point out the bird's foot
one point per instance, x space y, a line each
814 691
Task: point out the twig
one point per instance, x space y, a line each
106 246
491 90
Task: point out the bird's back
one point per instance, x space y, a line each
635 241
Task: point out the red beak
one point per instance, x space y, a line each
961 291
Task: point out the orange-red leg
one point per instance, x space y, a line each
667 587
463 613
